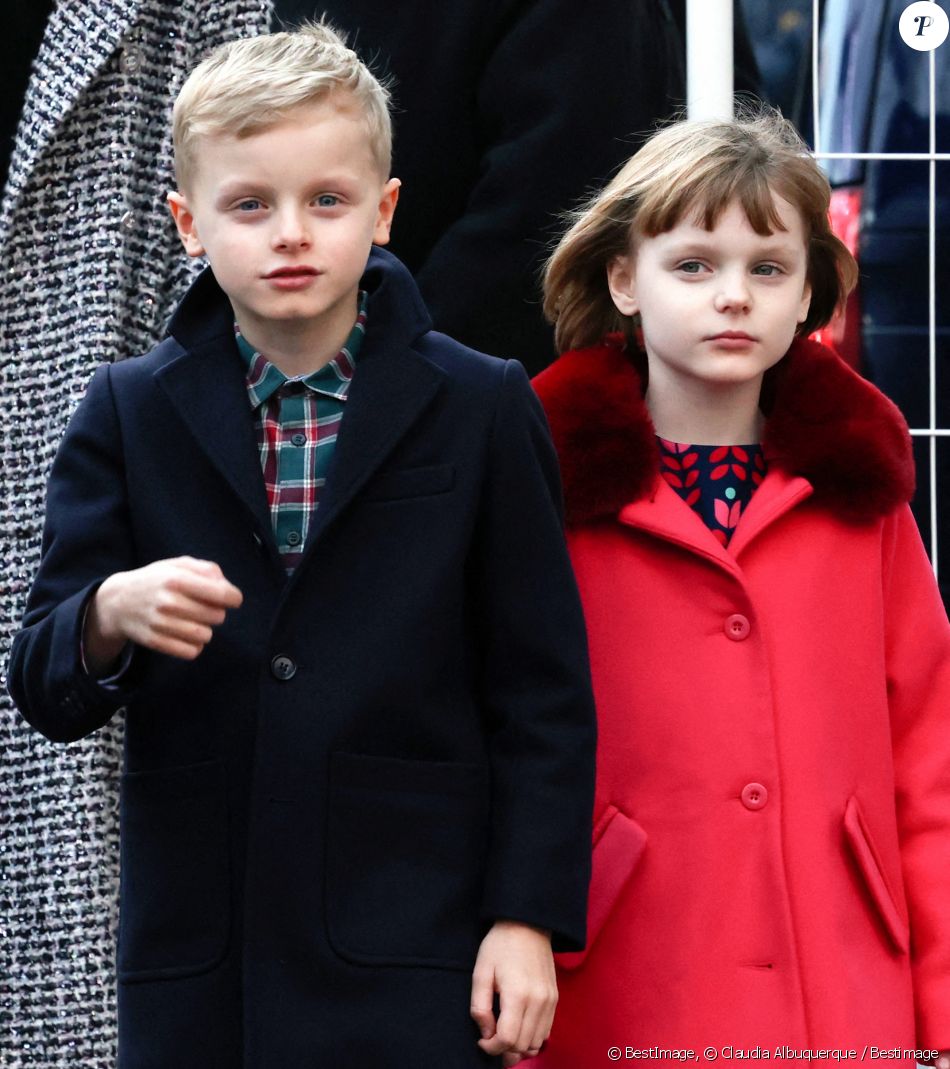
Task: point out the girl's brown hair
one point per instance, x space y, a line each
695 168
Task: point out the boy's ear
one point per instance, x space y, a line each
385 211
185 222
621 281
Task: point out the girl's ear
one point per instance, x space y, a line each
622 283
806 303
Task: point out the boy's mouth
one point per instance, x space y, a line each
292 272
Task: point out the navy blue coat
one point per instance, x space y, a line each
372 760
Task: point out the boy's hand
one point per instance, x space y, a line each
516 961
170 606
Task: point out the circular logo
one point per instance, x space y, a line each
924 26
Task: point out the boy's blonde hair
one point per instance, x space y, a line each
687 169
247 85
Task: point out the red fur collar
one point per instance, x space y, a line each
823 422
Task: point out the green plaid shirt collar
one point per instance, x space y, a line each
333 380
296 422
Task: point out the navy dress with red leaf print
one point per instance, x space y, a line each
716 481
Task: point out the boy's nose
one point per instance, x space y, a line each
291 232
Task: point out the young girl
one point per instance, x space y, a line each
771 658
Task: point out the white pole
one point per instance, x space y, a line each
709 84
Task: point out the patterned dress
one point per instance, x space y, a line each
716 481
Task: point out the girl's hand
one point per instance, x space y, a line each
170 606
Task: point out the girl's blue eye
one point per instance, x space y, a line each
768 270
690 267
328 200
249 205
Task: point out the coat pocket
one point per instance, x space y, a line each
618 844
406 854
399 483
174 894
867 859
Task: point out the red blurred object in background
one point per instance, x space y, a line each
843 333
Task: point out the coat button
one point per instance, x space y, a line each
754 796
283 668
737 627
130 59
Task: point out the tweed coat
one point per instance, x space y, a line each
772 818
92 269
373 759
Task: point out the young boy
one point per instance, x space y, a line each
314 550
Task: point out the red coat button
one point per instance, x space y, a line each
737 627
754 796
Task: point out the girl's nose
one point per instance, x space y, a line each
733 294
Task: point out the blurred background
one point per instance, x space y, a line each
865 110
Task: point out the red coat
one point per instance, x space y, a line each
772 824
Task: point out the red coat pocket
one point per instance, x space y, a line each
618 844
862 849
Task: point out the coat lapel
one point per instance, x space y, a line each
55 98
391 388
207 389
778 493
665 515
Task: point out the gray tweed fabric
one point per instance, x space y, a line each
91 269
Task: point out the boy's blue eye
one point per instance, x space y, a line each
328 200
691 267
249 205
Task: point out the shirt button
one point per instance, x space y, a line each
298 439
293 538
737 627
754 796
283 668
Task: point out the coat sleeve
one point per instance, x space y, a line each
535 681
86 538
918 680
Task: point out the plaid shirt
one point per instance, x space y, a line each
297 421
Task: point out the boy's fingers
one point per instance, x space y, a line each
183 631
544 1023
180 607
212 591
539 1031
203 567
186 651
222 591
530 1025
483 992
509 1026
